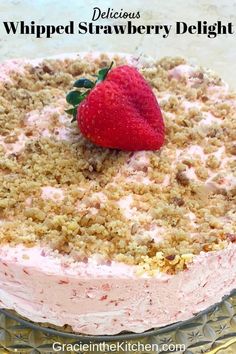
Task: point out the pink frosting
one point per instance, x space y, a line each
14 65
96 298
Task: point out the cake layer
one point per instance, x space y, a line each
105 240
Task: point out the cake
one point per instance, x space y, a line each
101 241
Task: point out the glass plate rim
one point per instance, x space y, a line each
121 336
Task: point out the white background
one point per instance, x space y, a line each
218 53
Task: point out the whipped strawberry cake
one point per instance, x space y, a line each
125 218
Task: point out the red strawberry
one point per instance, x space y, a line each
120 111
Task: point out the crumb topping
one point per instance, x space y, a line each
156 210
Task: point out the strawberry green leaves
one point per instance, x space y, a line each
73 112
85 83
102 74
75 97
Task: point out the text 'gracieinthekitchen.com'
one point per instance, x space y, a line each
123 346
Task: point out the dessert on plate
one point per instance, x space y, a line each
101 240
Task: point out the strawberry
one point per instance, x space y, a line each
118 111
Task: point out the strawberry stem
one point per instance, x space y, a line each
75 97
102 74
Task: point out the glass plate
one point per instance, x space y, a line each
211 331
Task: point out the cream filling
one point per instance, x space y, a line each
15 65
53 193
97 298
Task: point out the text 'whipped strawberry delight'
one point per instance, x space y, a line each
125 218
